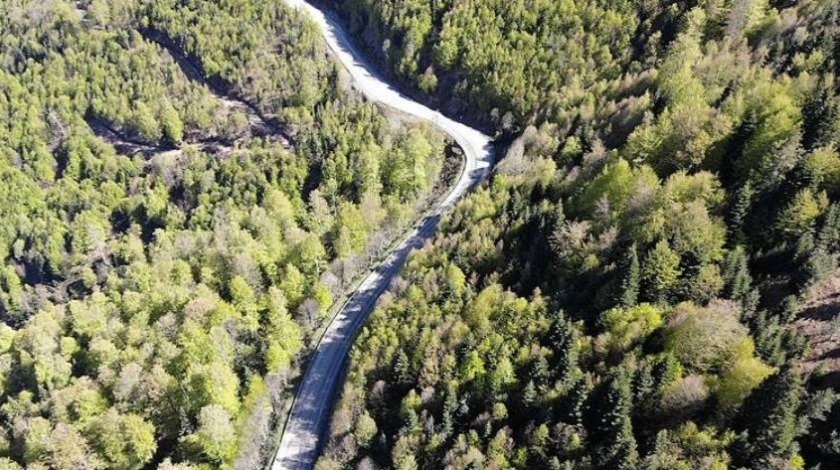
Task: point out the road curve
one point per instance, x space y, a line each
308 420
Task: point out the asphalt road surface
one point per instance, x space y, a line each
308 421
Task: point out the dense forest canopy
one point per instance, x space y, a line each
186 188
644 282
649 280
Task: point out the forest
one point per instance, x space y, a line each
187 187
648 281
650 278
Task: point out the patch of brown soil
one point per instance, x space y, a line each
819 321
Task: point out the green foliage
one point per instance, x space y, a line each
769 420
146 294
145 123
625 328
173 128
166 170
124 441
707 339
660 272
688 447
470 48
615 445
689 126
215 436
802 211
287 72
736 274
629 288
737 383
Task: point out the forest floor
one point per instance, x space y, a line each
819 321
127 145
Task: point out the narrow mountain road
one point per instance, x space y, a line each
308 421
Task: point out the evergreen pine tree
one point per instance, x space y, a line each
611 427
736 274
739 210
575 401
529 395
402 369
450 404
563 338
828 237
644 384
540 371
820 114
629 289
768 420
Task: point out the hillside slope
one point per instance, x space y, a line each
187 187
622 293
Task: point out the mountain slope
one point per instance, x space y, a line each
621 293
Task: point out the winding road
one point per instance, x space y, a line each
308 420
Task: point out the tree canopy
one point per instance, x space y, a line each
187 188
631 271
